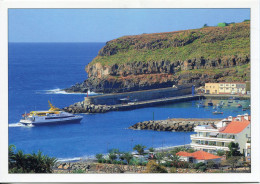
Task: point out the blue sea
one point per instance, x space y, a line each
38 71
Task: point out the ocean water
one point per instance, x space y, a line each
37 73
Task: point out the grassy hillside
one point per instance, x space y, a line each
209 43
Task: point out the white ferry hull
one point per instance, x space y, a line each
45 121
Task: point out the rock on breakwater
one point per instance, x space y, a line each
173 125
82 107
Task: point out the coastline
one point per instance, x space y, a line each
92 158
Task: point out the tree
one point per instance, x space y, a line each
112 156
210 164
99 156
233 149
205 25
139 148
159 157
127 157
151 149
233 161
153 167
174 157
29 163
220 152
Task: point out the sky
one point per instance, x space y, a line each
102 25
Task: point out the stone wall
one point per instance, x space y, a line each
178 125
144 95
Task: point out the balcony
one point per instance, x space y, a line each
212 147
205 129
217 139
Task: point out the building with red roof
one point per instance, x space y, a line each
198 156
232 129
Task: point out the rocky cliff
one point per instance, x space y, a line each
148 61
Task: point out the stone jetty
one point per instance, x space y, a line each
82 107
173 125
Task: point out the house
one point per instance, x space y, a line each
225 88
198 156
211 138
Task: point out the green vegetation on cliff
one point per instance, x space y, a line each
208 43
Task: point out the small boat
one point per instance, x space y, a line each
239 106
230 101
219 105
210 103
200 104
217 112
51 116
246 108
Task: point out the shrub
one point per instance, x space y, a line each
108 161
220 152
203 168
99 156
211 164
78 171
173 170
199 165
153 167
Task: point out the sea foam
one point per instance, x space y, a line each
19 125
60 91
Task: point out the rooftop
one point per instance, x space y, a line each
198 155
236 126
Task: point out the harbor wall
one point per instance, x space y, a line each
145 95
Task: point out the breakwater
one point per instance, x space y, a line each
85 107
173 125
136 96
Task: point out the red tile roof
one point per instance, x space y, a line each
198 155
236 126
184 154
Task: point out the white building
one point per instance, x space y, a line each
233 129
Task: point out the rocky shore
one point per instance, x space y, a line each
87 167
82 107
173 125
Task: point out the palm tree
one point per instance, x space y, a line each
11 155
127 157
174 157
139 148
99 156
151 149
159 157
20 160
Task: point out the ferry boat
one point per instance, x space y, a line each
52 116
217 112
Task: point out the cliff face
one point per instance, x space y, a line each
148 61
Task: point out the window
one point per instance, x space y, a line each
221 88
227 88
